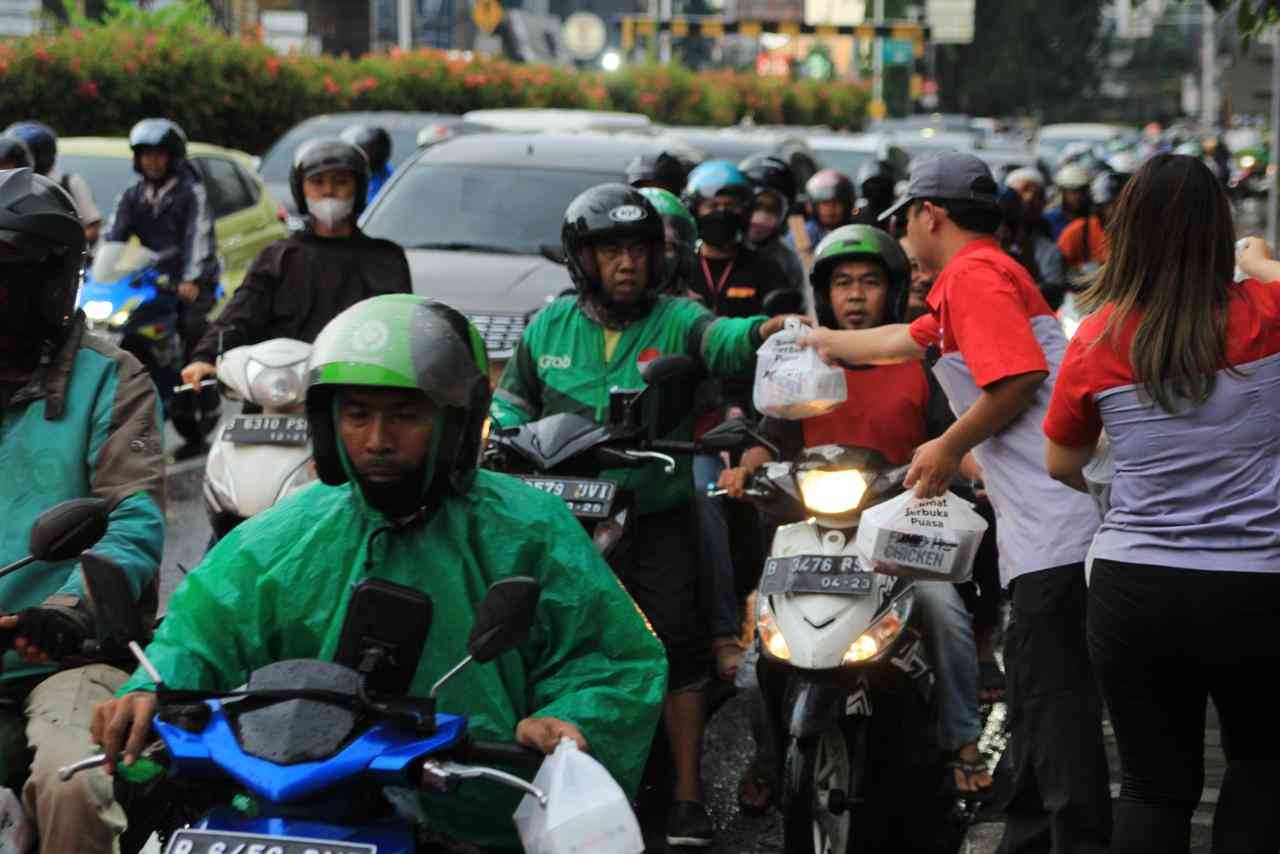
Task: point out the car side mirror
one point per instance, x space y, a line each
504 617
66 529
116 616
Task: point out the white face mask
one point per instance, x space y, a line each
331 212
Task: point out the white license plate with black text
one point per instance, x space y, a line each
189 841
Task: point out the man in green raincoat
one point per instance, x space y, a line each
397 400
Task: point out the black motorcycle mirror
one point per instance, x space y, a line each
670 385
117 619
64 531
502 621
784 301
734 434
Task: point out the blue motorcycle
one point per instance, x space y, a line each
297 760
126 298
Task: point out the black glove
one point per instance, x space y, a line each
56 631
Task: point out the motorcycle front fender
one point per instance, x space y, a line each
813 705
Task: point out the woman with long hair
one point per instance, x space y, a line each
1181 367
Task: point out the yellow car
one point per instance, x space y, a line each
246 217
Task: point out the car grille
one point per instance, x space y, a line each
501 332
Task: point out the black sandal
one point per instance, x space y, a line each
969 770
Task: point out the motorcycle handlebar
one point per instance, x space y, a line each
502 753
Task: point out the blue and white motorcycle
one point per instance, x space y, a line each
298 759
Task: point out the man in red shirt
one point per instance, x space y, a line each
1000 349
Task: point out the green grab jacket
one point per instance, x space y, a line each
87 423
276 588
559 366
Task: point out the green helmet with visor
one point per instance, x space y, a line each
403 341
682 230
855 243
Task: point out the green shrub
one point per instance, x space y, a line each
235 91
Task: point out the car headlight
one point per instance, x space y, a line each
881 634
276 388
98 310
770 635
831 493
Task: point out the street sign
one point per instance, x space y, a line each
584 35
839 12
951 21
897 51
486 14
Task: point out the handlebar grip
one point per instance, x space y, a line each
503 753
670 446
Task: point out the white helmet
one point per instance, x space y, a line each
1072 177
1124 161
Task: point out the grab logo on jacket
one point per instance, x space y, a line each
549 361
647 355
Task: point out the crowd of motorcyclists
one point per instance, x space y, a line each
936 293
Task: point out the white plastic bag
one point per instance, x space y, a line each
17 832
1098 474
586 810
929 538
792 382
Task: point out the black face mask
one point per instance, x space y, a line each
723 229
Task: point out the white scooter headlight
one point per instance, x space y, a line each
770 634
832 493
276 388
881 634
98 310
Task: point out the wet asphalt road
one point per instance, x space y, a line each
729 745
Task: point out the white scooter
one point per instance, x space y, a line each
846 679
260 457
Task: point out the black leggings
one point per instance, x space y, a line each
1162 641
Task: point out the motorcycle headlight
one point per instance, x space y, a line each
98 310
881 634
1248 161
276 388
770 635
831 493
121 317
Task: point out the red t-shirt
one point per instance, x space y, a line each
981 305
886 410
1071 243
1096 363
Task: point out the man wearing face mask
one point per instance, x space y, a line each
299 284
168 209
775 192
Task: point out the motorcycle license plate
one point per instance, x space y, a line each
841 576
188 841
589 499
267 430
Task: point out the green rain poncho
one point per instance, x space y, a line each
277 586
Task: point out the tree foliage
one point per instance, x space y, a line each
1028 57
1252 16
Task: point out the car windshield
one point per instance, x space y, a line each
843 159
107 177
489 208
276 162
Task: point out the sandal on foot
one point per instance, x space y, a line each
991 682
970 770
755 790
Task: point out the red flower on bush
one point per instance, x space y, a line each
474 81
273 67
331 86
88 89
42 56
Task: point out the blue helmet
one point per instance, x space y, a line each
714 178
40 140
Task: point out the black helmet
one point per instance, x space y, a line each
321 155
605 212
657 170
374 141
851 243
40 139
159 133
41 228
766 172
829 185
404 341
14 150
877 182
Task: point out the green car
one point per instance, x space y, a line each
247 217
